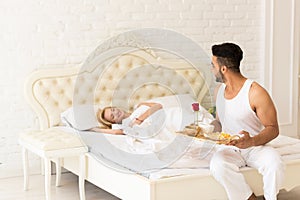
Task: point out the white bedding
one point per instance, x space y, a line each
288 148
194 160
156 133
154 149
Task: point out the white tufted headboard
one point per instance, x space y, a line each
123 81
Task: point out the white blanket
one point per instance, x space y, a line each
194 158
157 134
285 145
157 131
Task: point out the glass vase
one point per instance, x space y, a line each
196 118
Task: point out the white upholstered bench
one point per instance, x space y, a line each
52 145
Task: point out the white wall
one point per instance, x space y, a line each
282 61
52 33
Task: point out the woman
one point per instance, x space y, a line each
114 115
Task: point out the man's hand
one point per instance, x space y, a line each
244 142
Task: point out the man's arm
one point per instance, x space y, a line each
217 124
266 112
263 106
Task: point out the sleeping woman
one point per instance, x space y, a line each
149 120
114 115
151 127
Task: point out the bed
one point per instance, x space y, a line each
126 76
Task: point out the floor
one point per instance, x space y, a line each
12 189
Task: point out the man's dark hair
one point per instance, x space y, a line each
228 54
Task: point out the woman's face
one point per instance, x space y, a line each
114 115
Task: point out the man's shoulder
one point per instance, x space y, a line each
258 91
257 87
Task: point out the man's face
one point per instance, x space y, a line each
216 69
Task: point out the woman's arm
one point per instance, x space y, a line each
108 131
153 108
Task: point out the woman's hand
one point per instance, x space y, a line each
136 121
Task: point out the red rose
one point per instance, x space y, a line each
195 106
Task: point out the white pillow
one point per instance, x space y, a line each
81 117
181 100
185 102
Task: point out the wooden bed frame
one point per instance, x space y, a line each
52 91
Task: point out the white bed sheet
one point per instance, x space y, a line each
193 161
288 148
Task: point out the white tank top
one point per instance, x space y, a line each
236 114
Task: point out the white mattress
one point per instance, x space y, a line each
188 163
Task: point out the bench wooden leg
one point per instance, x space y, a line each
58 171
25 167
82 177
47 166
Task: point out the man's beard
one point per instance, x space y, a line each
219 77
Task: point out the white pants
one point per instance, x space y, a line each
225 164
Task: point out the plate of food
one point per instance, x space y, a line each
190 130
221 136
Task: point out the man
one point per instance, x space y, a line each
244 108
